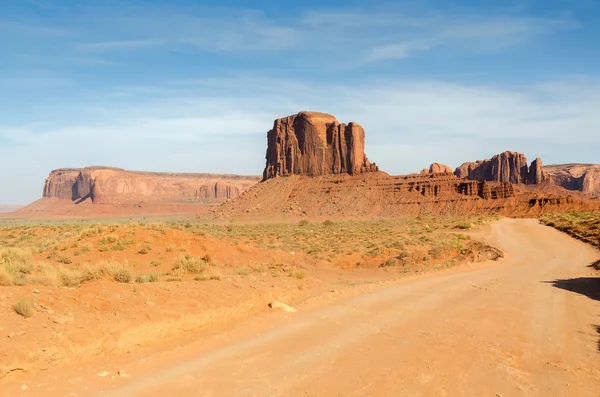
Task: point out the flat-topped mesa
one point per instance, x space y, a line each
314 144
118 186
504 167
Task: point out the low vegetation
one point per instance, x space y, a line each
24 307
69 254
584 226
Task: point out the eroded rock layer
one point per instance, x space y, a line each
315 144
117 186
381 195
504 167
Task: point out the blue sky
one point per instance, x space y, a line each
194 86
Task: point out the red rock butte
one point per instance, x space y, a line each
504 167
308 145
314 144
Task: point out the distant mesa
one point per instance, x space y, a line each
315 144
117 186
504 167
581 177
437 168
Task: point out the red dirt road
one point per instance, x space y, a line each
501 330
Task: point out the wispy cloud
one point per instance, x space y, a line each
194 125
379 35
399 51
206 99
118 45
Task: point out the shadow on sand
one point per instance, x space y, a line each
587 286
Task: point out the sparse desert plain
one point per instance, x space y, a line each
328 277
118 279
434 305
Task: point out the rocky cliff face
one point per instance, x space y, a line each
314 144
504 167
581 177
536 172
117 186
60 183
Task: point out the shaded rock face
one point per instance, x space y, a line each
61 183
117 186
536 172
218 190
581 177
314 144
504 167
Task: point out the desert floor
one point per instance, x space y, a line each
527 325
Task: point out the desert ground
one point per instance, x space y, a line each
180 306
327 277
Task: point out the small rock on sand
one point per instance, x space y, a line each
124 374
61 319
282 306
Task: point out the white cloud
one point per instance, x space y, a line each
377 34
398 51
118 45
206 126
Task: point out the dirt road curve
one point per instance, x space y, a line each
503 330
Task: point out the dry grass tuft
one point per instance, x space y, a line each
188 264
24 307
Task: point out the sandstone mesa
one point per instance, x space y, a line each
117 186
307 145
